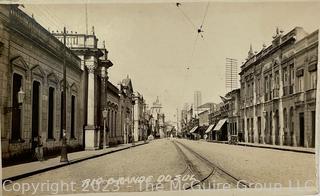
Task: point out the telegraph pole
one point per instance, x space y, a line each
64 153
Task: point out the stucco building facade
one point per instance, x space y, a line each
278 91
31 73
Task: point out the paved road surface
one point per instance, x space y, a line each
185 164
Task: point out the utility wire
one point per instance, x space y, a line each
187 17
205 15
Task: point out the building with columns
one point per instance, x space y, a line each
94 84
31 78
278 90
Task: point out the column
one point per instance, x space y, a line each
254 115
273 137
281 120
263 126
245 128
104 82
90 129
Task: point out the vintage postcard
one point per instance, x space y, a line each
142 97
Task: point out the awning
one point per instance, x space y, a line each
193 129
209 128
219 124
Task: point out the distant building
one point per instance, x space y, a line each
233 107
158 120
197 102
278 91
139 131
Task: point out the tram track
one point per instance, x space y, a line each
216 173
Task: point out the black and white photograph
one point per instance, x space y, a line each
163 97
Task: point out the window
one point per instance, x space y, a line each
258 87
16 112
51 113
73 105
115 123
313 80
285 120
251 92
285 76
300 84
266 84
292 76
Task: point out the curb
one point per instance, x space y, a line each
277 148
268 147
20 176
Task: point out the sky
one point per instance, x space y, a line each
157 46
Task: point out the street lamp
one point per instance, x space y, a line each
21 96
104 114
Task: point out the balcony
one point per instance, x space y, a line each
299 99
311 96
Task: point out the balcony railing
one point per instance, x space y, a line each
299 99
311 95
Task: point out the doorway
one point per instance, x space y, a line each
313 124
301 125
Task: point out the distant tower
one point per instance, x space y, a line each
232 76
197 102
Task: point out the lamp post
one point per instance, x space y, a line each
132 130
64 153
104 114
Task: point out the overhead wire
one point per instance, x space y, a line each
199 30
186 16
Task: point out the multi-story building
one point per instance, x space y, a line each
113 123
31 78
158 119
139 132
197 102
278 90
94 77
233 110
126 110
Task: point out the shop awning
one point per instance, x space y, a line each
209 128
219 124
193 129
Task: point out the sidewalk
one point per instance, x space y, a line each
27 169
275 147
285 148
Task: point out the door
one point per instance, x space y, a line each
35 113
313 119
301 125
